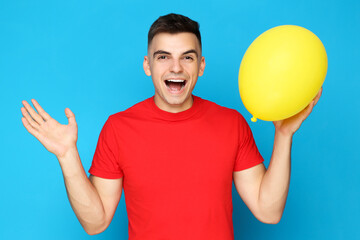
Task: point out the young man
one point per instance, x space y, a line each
174 154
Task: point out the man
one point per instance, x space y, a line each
174 154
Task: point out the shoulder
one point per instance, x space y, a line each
137 109
218 110
224 116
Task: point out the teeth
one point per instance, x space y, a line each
175 80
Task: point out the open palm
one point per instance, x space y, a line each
56 138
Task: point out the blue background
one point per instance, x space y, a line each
87 55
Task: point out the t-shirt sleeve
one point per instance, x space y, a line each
105 163
248 154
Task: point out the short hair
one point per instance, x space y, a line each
174 23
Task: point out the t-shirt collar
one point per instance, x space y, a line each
193 110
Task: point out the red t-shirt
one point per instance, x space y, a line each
177 168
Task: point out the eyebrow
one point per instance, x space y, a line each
191 51
160 52
184 53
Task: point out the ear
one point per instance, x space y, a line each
202 66
146 66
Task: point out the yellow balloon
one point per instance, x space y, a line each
281 72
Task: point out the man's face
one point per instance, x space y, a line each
174 62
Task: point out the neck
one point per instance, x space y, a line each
173 108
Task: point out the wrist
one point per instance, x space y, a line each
70 153
284 134
70 163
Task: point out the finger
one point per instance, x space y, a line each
29 119
71 116
309 109
29 128
318 95
32 113
40 110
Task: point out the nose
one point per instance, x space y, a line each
176 66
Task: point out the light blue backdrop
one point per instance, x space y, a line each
87 55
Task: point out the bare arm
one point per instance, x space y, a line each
265 191
93 200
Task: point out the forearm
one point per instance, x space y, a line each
83 197
275 183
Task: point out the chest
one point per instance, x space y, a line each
193 158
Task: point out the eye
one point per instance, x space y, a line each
162 57
189 58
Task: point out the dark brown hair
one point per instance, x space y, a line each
174 23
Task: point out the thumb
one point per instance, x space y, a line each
70 115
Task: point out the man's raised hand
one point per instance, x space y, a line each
292 124
56 138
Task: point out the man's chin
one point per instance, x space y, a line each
179 100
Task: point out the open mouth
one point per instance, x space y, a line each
175 85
